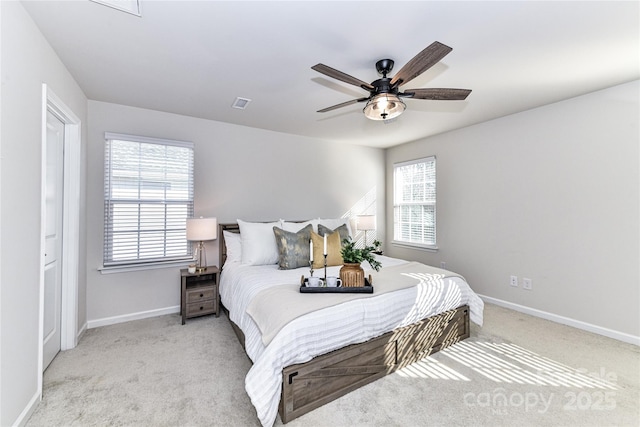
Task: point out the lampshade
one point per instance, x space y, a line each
366 222
201 229
384 106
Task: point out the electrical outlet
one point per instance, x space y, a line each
443 264
527 284
514 281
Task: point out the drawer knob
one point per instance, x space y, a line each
201 295
201 308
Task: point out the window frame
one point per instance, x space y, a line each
397 203
140 262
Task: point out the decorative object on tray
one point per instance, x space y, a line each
310 258
307 288
324 255
351 273
325 266
333 282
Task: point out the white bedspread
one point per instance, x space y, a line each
328 329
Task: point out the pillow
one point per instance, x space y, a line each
258 242
334 256
293 248
297 226
342 230
328 223
335 223
234 246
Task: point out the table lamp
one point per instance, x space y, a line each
365 223
200 230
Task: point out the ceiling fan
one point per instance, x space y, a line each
384 101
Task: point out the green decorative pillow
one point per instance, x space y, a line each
293 248
342 230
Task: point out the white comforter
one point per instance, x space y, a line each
322 331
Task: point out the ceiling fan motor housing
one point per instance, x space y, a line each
384 66
383 85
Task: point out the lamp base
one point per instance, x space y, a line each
201 258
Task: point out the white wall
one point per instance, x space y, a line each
550 194
240 172
27 62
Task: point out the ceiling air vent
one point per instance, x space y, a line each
241 103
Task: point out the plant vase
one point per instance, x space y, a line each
352 274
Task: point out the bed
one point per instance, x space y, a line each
303 360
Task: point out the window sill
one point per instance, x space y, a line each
141 267
415 246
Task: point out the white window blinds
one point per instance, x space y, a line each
148 196
414 207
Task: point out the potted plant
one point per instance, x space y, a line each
351 273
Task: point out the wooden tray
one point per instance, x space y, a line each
366 289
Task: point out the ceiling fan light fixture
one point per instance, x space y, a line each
384 106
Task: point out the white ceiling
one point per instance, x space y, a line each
195 58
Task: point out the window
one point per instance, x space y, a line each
414 202
148 196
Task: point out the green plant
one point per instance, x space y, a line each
353 255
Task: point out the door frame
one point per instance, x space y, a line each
70 223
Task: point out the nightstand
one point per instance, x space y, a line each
199 295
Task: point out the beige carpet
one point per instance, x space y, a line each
515 371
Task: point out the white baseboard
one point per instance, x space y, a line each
133 316
620 336
81 332
28 411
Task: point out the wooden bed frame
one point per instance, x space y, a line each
307 386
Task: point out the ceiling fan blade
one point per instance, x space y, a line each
420 63
339 75
437 94
344 104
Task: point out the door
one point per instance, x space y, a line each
54 184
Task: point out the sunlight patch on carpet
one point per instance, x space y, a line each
506 363
510 363
431 368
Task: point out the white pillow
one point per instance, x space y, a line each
259 245
294 227
234 246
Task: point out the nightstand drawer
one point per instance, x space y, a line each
198 295
203 307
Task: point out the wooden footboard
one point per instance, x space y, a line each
309 385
